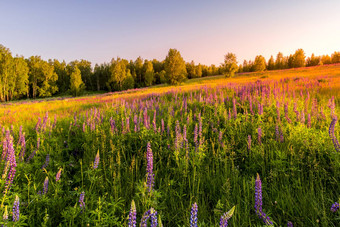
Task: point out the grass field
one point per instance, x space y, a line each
82 161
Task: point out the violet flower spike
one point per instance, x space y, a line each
16 210
81 201
132 215
335 207
96 161
193 216
149 168
57 177
45 185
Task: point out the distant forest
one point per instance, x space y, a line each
34 77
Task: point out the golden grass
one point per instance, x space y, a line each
26 112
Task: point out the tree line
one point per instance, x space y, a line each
34 77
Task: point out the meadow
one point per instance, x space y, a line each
178 155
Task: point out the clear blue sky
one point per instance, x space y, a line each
203 31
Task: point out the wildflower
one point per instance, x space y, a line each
96 161
46 161
149 168
226 216
57 177
132 215
258 194
289 224
45 185
258 202
10 163
193 217
81 201
332 135
16 211
335 207
152 214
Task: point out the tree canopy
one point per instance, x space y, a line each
175 67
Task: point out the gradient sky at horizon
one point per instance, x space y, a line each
203 31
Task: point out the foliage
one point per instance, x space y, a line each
230 64
76 83
174 66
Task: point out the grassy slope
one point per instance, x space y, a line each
16 112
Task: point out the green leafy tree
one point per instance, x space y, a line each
271 63
42 77
230 64
325 59
299 58
279 62
118 74
20 74
129 82
60 68
191 70
313 60
76 83
259 63
139 71
175 67
199 70
149 73
6 69
336 57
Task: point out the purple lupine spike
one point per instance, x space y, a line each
162 126
16 209
195 133
193 215
335 207
132 215
289 224
286 114
45 186
135 119
249 142
123 128
146 123
46 161
309 121
332 135
55 121
258 194
23 147
153 217
259 135
146 216
96 161
258 202
149 168
128 124
11 164
81 201
57 177
37 126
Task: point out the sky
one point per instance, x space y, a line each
203 31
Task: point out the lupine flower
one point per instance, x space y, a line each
23 147
226 216
16 210
46 161
335 207
45 185
258 202
258 194
10 163
81 201
193 216
57 177
289 224
146 216
234 108
153 217
332 135
132 215
96 161
149 168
